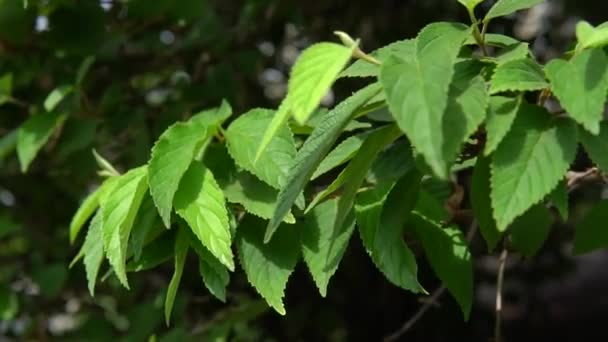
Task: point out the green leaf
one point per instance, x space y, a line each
591 233
86 209
244 136
56 96
505 7
200 201
597 145
156 252
559 199
311 78
591 37
529 231
381 214
342 153
417 88
392 163
34 133
92 248
518 75
466 109
354 174
470 4
447 252
480 202
119 211
6 85
581 85
531 160
8 143
501 114
9 303
267 265
174 151
83 69
361 68
314 149
146 227
493 39
317 236
512 52
181 252
215 275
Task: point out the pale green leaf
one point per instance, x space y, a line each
505 7
531 160
119 211
417 88
466 109
342 153
591 37
361 68
34 133
174 151
267 265
529 231
243 139
470 4
84 212
56 96
518 75
92 250
559 199
581 85
316 231
597 145
512 52
314 149
381 216
501 114
200 202
480 202
448 253
181 252
591 233
493 39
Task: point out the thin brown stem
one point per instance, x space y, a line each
499 288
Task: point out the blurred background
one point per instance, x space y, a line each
155 62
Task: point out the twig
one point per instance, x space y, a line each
430 301
414 319
576 178
499 286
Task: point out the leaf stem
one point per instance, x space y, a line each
499 288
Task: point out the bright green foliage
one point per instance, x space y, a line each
93 250
501 114
361 68
56 96
342 153
381 216
86 209
181 252
493 39
480 202
581 85
173 153
529 231
34 133
597 145
314 149
591 37
311 78
244 136
268 265
512 52
466 108
518 75
317 236
505 7
559 199
591 233
470 4
449 256
119 210
200 202
417 86
529 163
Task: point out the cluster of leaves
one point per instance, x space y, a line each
435 105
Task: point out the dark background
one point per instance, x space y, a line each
160 61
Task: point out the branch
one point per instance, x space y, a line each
499 286
576 179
